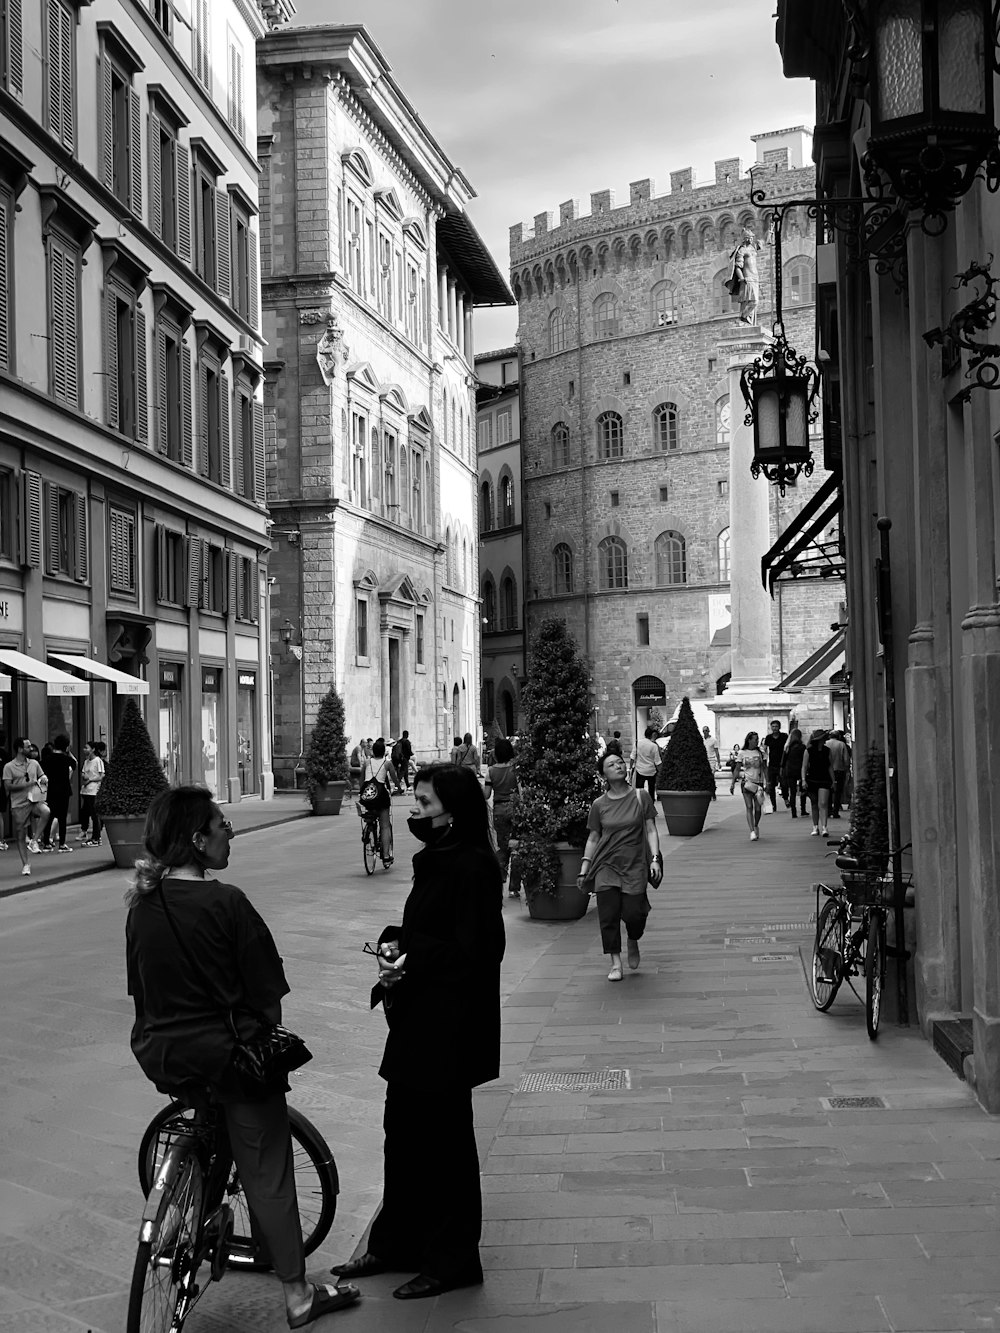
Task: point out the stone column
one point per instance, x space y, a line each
452 307
383 652
460 321
443 299
405 681
748 703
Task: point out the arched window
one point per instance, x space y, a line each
376 465
404 480
665 433
724 556
489 604
671 559
508 603
560 445
612 558
606 316
562 569
557 331
609 435
506 501
486 507
664 305
722 419
800 281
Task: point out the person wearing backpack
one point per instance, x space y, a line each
378 777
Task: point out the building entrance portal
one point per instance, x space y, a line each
394 722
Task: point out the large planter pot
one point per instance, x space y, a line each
329 798
567 903
124 834
685 811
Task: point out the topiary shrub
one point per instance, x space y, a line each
870 815
686 765
326 758
556 758
134 774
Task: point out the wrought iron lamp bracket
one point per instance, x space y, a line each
976 316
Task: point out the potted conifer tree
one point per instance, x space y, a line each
870 818
685 783
557 773
327 768
134 775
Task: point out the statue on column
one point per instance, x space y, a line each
745 281
330 349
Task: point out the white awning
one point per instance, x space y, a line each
122 681
56 681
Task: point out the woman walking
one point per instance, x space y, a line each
817 780
59 765
186 932
621 857
466 754
439 984
751 773
502 783
791 772
379 776
91 777
647 761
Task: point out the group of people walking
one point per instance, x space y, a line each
38 788
816 771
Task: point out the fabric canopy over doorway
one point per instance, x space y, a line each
814 666
122 681
56 682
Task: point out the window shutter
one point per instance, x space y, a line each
233 585
182 159
253 590
187 426
223 258
193 562
106 123
60 300
258 454
141 381
53 104
15 48
31 527
254 279
4 279
51 528
206 575
115 520
160 547
111 355
155 193
81 571
160 383
203 441
239 445
61 111
225 406
135 152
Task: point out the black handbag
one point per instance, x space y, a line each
258 1063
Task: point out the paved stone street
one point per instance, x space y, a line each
715 1191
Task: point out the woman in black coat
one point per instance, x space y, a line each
439 984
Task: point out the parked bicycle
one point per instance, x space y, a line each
371 848
850 937
196 1213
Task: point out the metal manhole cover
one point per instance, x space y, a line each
750 939
853 1103
591 1080
771 957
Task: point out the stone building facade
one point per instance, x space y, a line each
625 403
498 433
133 533
371 270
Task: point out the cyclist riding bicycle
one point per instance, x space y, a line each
378 777
181 1038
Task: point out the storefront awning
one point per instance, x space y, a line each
814 666
56 681
797 551
122 681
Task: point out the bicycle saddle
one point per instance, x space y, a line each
847 863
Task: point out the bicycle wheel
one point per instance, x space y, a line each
316 1186
166 1267
828 956
368 843
874 973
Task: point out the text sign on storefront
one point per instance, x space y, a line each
210 680
170 676
247 681
649 698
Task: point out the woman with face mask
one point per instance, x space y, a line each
439 984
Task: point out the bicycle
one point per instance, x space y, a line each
196 1211
850 938
371 846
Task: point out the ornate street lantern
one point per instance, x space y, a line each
780 392
932 64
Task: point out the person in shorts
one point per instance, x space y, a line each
23 781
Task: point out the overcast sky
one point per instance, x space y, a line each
538 101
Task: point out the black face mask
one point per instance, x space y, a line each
424 828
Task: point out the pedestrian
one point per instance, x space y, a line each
732 761
621 857
791 772
196 948
59 764
774 748
403 767
501 782
378 777
456 745
467 754
602 746
751 773
839 764
91 777
817 780
647 761
711 749
614 745
439 984
4 800
25 785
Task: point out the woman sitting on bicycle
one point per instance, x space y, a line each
378 769
180 1036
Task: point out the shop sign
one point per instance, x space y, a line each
210 680
170 676
650 698
248 680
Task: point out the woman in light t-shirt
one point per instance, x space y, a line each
647 761
91 777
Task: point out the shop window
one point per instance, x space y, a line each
211 718
171 720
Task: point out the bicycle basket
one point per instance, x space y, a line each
863 889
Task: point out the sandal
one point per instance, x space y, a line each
616 973
325 1301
